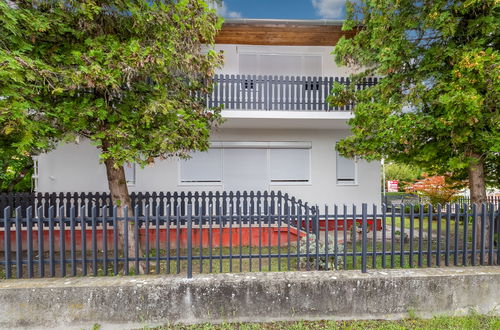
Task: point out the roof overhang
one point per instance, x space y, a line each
282 32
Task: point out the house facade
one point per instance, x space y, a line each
278 134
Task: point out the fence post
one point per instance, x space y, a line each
498 230
364 238
19 248
6 214
189 241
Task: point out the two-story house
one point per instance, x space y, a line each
278 134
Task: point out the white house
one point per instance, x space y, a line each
279 133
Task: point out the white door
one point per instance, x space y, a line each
245 169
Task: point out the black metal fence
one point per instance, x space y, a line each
489 199
252 92
84 202
397 199
289 238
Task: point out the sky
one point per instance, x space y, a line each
283 9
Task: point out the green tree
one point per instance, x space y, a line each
403 173
127 75
436 104
15 169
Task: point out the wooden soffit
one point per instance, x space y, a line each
281 34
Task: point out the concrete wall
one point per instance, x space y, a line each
135 302
73 167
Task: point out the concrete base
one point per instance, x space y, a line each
136 301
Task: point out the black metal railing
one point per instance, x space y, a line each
291 237
252 92
248 201
397 199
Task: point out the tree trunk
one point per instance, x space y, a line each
477 184
477 187
120 197
18 178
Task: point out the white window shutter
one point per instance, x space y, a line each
290 165
280 64
202 167
248 64
245 169
346 170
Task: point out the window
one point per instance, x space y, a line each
346 170
249 165
245 169
289 165
129 173
202 167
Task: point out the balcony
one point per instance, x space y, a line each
277 93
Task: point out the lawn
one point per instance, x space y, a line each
425 224
470 322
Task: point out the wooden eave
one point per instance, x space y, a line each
281 34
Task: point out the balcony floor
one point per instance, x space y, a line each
286 119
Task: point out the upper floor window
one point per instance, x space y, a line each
280 64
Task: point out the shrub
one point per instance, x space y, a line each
402 173
416 209
333 263
435 189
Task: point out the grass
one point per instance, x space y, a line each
289 263
264 263
469 322
425 224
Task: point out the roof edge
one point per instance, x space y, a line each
263 21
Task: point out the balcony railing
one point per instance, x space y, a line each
251 92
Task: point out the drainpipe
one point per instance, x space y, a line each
34 177
383 180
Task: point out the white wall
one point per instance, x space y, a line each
71 167
74 167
